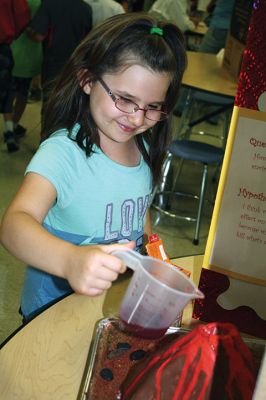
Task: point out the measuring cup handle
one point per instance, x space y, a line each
131 258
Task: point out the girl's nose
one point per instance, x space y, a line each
137 118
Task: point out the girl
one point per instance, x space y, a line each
106 131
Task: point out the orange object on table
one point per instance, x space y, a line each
155 248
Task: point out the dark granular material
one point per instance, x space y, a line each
117 352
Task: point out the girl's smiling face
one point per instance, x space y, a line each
136 83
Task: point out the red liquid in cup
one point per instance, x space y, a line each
146 333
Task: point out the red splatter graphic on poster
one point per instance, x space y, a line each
252 79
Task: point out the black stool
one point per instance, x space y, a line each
191 150
214 104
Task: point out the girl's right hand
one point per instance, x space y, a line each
92 269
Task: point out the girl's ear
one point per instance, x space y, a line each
87 88
84 81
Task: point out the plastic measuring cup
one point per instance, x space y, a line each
156 294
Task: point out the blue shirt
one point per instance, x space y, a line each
98 202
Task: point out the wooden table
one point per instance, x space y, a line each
46 359
194 36
201 29
205 72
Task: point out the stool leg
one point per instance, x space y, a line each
215 177
183 127
160 187
176 177
201 202
167 203
227 115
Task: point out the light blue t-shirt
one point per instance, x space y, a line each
98 202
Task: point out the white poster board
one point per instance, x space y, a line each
236 245
237 239
241 227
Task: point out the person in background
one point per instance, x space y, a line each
35 92
27 56
60 25
106 130
103 9
131 5
147 4
136 5
176 11
14 17
215 38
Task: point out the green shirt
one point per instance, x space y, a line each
26 52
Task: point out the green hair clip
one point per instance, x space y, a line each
156 31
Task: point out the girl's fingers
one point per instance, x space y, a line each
114 263
106 274
102 284
98 286
94 292
92 287
110 263
118 246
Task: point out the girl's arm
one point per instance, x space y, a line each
89 269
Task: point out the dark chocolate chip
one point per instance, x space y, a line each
125 346
137 355
107 374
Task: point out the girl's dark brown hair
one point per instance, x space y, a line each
120 41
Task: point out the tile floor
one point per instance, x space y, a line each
12 168
177 235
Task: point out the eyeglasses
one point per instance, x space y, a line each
129 107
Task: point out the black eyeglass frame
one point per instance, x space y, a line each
115 99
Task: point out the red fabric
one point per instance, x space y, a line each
14 17
212 284
252 83
252 79
211 362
